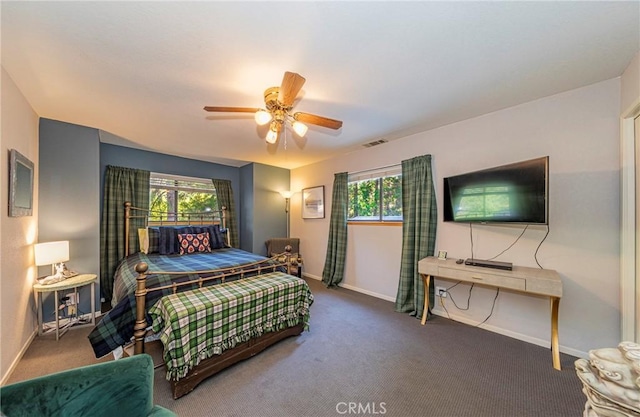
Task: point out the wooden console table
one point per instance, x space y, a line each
545 282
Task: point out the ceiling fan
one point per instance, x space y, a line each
279 102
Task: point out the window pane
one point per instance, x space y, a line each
365 200
191 202
158 204
353 202
180 194
392 198
375 195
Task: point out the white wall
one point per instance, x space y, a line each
630 84
17 270
579 130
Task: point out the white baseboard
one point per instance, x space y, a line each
356 289
317 278
371 293
23 350
515 335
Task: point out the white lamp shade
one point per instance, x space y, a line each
262 117
51 252
299 128
286 194
272 136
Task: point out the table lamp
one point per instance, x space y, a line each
54 253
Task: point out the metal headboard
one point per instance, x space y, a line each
155 218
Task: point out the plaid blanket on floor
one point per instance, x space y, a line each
198 324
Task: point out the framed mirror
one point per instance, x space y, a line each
20 185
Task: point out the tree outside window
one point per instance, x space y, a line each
375 196
175 198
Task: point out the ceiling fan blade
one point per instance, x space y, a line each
231 109
291 85
318 120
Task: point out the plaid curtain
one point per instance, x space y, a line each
120 185
419 211
225 198
333 272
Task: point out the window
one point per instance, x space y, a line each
171 194
376 195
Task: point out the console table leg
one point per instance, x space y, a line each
555 304
40 324
426 279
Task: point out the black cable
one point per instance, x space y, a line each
535 255
468 298
468 304
442 303
491 312
511 245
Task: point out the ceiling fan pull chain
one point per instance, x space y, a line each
284 135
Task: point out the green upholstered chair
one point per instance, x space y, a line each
116 388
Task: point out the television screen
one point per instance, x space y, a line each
514 193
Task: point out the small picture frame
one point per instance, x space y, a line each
442 254
313 203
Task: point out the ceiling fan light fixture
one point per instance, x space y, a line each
278 103
272 136
262 117
299 128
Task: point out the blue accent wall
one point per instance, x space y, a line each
69 200
246 211
263 213
269 217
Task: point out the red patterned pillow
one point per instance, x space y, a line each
191 243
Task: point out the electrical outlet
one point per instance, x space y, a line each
441 292
72 299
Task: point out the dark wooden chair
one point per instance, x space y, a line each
278 245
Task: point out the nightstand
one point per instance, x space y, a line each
70 283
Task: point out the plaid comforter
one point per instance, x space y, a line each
201 323
115 328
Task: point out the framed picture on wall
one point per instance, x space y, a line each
313 202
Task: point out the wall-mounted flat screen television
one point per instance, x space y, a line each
514 193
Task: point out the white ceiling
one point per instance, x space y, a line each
143 71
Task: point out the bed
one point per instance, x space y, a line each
153 290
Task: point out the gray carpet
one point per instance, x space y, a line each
362 358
